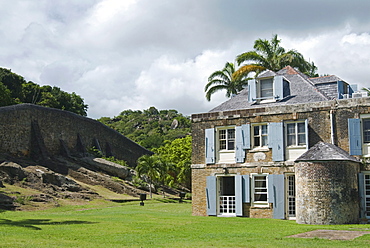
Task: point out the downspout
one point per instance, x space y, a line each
332 126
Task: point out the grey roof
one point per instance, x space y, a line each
302 90
325 152
267 73
325 79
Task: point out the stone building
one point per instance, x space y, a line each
287 147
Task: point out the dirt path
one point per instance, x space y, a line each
331 234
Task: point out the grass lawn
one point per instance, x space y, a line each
157 224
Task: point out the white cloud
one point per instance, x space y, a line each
140 53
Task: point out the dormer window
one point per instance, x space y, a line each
266 89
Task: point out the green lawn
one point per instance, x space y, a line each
157 224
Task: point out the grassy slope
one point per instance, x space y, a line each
157 224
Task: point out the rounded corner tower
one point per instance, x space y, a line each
327 186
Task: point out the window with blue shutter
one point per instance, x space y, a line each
278 87
210 146
276 140
354 136
276 195
211 195
352 89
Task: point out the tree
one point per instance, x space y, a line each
178 153
367 90
270 55
5 96
227 79
148 166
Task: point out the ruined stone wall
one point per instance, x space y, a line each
24 126
327 192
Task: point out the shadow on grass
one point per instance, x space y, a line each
33 223
172 200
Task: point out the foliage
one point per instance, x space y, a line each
270 55
266 55
156 224
14 90
177 153
227 79
367 90
150 128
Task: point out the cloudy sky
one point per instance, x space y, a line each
134 54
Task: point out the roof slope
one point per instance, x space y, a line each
302 90
325 152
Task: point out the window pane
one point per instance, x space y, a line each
301 127
230 145
264 129
231 133
222 134
256 130
291 128
260 197
301 139
257 141
264 141
222 144
291 140
366 130
266 88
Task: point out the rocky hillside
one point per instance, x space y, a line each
62 178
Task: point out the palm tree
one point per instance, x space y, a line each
147 165
270 55
367 90
227 79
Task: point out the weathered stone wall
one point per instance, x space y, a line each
27 128
327 192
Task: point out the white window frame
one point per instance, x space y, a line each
224 155
365 146
366 175
255 203
260 136
296 133
291 200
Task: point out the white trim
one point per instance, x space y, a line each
259 204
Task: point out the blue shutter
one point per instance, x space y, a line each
361 192
246 189
239 152
252 94
210 146
242 193
211 195
246 135
239 195
276 195
276 140
278 87
354 135
340 86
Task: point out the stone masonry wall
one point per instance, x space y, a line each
327 192
18 124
